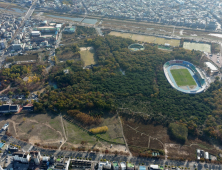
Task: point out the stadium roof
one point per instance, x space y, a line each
211 66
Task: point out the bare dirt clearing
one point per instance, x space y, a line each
142 138
87 55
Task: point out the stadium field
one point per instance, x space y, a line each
183 77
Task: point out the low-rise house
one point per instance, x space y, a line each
198 154
123 165
142 168
130 166
12 148
154 167
28 107
115 165
206 155
80 164
64 165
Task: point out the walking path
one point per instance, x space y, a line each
124 136
5 89
64 133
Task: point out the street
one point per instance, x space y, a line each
111 157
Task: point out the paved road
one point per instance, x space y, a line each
98 156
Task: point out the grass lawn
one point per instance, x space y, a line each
114 134
77 135
197 46
146 38
183 77
87 55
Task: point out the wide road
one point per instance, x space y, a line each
111 157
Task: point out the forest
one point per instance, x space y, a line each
14 75
127 78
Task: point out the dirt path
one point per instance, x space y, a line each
164 145
47 126
127 148
14 126
64 132
5 89
165 151
146 135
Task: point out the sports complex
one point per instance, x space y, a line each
184 76
136 47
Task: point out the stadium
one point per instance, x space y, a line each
184 76
136 47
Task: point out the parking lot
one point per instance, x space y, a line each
216 58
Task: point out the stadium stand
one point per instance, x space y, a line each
197 75
136 47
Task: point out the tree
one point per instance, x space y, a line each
208 71
178 132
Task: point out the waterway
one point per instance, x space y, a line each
86 20
14 9
69 18
89 21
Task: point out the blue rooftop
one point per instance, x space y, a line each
142 168
1 145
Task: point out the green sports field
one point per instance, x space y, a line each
183 77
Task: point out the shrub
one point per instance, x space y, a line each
178 132
97 130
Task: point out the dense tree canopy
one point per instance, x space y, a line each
128 78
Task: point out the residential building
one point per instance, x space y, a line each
36 157
21 157
5 108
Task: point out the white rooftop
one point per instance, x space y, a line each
211 66
37 32
154 166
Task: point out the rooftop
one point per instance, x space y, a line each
211 66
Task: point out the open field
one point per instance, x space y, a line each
183 77
143 138
76 135
114 133
87 55
197 46
46 130
36 128
159 29
148 39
